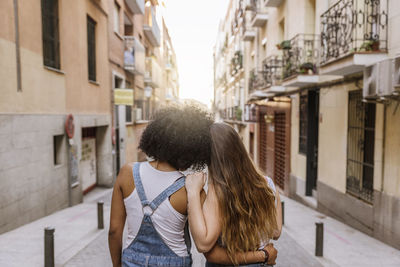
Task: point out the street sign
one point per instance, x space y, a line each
123 97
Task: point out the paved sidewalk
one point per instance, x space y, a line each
78 242
343 245
75 228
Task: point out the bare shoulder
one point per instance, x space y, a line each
125 179
179 201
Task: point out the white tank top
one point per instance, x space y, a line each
168 222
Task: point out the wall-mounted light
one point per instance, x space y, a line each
269 118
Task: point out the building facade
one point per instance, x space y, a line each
79 83
332 68
52 66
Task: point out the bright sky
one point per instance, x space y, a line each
193 26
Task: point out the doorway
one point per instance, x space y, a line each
312 141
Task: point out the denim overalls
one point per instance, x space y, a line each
148 248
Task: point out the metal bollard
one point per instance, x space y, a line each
49 246
283 212
319 239
100 217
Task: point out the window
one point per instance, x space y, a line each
303 123
50 34
57 149
91 44
116 17
360 147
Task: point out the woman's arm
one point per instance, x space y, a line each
117 217
277 232
203 219
219 255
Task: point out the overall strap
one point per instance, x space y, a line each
178 184
139 185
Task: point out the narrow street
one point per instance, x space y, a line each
96 253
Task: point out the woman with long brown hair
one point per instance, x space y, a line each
242 209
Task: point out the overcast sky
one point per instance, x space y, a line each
193 26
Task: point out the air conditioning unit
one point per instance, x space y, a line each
385 82
396 75
381 78
137 114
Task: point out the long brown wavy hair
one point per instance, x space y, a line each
246 202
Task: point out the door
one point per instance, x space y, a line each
312 141
87 165
262 144
280 149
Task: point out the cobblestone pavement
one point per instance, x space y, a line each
289 254
97 254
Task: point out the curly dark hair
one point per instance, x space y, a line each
179 136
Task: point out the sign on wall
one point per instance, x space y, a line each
123 97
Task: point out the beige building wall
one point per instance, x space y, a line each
333 129
391 180
33 186
297 160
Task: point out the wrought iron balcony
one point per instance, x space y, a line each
232 113
300 55
250 113
236 62
134 55
272 70
353 26
257 81
137 6
260 13
150 26
248 33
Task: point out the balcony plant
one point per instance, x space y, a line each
284 45
239 114
307 68
370 45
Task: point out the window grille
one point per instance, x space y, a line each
360 147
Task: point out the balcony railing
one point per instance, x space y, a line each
134 55
232 113
272 70
353 26
257 81
300 55
249 33
153 74
150 26
236 62
250 113
260 13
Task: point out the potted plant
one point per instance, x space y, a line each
307 68
285 45
239 114
370 45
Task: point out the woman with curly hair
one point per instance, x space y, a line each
151 195
242 209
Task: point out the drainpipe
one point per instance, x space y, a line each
17 46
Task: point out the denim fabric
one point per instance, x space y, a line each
148 248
